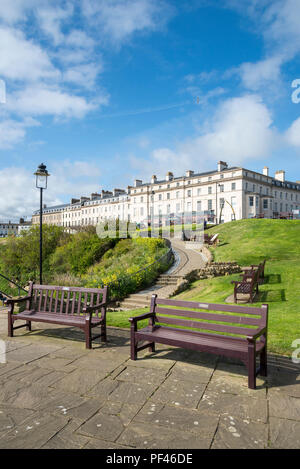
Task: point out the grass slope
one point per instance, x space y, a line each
249 242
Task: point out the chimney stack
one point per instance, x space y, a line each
189 173
138 182
169 176
266 171
153 179
222 165
280 175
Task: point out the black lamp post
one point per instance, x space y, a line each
41 183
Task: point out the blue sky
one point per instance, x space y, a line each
104 91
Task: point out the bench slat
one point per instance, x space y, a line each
210 316
207 326
210 306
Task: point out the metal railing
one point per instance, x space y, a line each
9 288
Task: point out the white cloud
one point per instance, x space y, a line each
240 130
278 23
12 12
84 75
19 196
13 132
293 134
119 19
256 76
42 100
50 19
22 60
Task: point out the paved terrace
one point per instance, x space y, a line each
56 394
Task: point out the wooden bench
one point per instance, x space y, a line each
261 271
211 239
248 285
237 338
71 306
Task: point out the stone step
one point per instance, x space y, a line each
141 302
166 282
133 305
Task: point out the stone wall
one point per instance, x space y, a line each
213 269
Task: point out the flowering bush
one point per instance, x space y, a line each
132 265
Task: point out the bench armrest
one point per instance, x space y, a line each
258 334
18 300
135 319
90 309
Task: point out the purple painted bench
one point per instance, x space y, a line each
71 306
236 331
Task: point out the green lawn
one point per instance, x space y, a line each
249 242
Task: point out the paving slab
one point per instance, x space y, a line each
284 434
67 438
284 406
103 389
237 406
70 405
104 426
80 381
190 420
142 375
240 434
31 353
284 384
229 384
183 371
132 393
11 417
141 435
179 393
34 432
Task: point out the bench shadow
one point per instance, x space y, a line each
271 296
76 335
272 279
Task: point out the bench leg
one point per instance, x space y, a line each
152 347
10 326
28 325
251 366
263 363
103 333
88 337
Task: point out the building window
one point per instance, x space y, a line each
168 196
209 204
177 195
265 203
198 205
159 197
233 186
189 193
210 190
199 191
222 203
251 201
221 187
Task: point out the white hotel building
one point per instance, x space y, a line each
222 195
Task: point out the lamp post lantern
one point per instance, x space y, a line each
41 183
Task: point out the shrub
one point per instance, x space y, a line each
83 250
124 267
20 256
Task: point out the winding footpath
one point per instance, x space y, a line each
186 260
